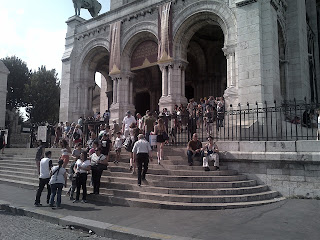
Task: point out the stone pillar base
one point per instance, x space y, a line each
169 102
231 97
118 112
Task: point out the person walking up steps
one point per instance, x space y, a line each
141 154
44 178
162 137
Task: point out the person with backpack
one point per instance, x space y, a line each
44 178
57 181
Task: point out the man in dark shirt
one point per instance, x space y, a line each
194 149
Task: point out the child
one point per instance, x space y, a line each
73 180
117 146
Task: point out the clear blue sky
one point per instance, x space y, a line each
34 30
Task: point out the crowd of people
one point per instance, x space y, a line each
137 135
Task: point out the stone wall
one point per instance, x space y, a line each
290 167
3 93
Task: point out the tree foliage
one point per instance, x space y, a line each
43 96
17 79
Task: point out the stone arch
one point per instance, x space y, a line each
94 58
197 15
91 51
146 26
130 46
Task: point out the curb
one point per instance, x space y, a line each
100 228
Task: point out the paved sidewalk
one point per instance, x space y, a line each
285 220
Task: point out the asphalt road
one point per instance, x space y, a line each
14 227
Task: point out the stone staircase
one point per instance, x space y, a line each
171 185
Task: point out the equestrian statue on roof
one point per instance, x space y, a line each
93 6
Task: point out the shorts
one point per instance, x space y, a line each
160 139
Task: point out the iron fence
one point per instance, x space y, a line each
259 122
288 121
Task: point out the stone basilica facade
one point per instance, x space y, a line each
157 53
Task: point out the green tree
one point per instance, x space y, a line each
17 79
43 96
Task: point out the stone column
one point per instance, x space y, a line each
164 71
124 88
115 87
172 85
68 97
249 87
4 72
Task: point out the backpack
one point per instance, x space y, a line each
76 135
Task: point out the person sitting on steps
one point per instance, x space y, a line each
212 150
194 149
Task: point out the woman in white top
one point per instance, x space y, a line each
81 169
57 180
99 163
212 154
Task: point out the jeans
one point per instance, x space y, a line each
142 159
56 188
190 156
42 183
96 177
82 182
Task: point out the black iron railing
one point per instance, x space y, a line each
251 122
288 121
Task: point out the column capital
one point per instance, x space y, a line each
128 75
182 64
229 50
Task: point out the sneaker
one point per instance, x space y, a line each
207 169
58 207
37 204
75 201
71 198
215 168
130 168
139 184
84 201
190 164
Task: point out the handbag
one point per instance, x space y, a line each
165 136
127 144
99 166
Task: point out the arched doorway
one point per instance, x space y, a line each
95 98
206 72
142 102
147 76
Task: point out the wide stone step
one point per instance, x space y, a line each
135 202
178 191
152 170
120 183
184 178
155 166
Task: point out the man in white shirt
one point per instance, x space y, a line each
127 121
44 178
141 154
